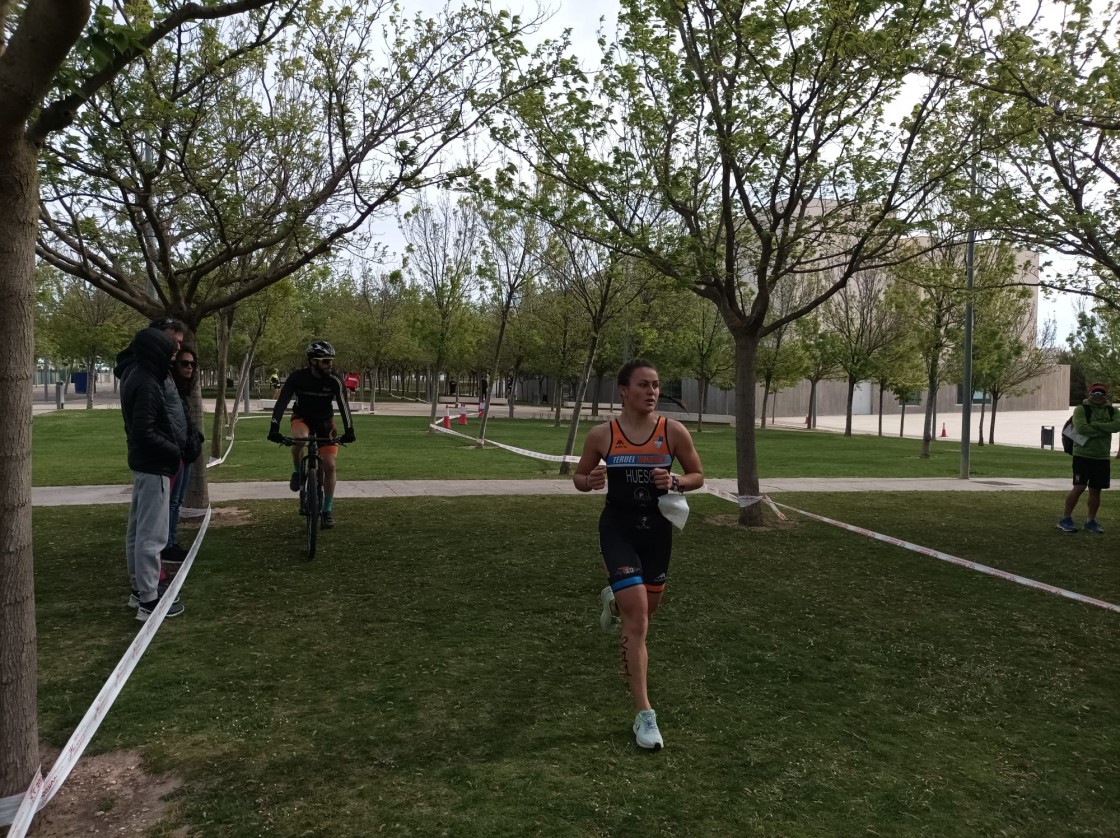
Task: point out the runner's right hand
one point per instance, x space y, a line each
274 435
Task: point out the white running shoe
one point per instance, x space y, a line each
608 620
646 733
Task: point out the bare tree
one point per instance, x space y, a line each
442 238
867 324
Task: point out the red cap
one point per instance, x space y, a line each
1093 387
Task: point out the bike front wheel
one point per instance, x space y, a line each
313 504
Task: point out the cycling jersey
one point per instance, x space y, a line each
314 395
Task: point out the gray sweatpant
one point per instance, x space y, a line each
147 532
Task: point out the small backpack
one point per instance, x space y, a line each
1067 440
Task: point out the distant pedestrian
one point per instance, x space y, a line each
274 382
1094 423
483 391
635 537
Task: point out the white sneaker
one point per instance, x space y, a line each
646 733
608 620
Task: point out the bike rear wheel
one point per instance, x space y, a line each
313 505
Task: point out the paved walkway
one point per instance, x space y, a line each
222 492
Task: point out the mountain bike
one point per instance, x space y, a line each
311 485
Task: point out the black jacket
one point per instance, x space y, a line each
195 436
152 447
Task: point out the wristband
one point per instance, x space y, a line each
675 485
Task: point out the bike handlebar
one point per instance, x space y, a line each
318 440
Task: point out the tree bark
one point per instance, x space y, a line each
746 457
931 406
19 196
581 391
91 367
225 328
848 406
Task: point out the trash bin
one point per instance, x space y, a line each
79 380
1048 436
536 398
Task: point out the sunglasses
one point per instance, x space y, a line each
188 363
1098 393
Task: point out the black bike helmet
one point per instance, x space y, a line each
320 349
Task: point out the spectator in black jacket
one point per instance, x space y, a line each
154 453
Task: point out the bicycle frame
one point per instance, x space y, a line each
311 485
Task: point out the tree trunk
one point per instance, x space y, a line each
559 402
242 388
848 408
581 391
19 196
812 412
880 411
493 379
433 392
746 457
765 401
902 419
991 423
980 436
702 406
91 363
225 328
931 401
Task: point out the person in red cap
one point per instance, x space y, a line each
1094 423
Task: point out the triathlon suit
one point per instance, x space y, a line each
634 537
313 408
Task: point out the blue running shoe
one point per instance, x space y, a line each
1092 526
1067 525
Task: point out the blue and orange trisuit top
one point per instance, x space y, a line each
629 466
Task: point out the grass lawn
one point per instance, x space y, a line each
439 671
402 448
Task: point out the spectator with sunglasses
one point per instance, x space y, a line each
1094 423
183 369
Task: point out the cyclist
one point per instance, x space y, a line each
314 388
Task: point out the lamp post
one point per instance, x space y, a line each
966 401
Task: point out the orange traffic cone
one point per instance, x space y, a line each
943 429
446 420
462 418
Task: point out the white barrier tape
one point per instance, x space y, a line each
536 455
748 500
946 557
222 459
41 791
745 500
10 805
